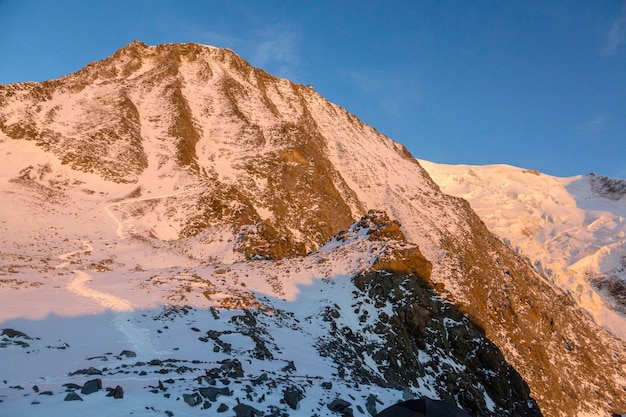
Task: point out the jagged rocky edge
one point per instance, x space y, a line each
409 337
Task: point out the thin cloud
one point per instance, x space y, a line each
277 50
616 35
219 40
392 91
363 82
189 31
594 126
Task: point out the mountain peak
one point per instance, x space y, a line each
134 47
225 174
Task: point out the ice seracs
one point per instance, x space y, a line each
573 229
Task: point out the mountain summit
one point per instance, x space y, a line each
195 201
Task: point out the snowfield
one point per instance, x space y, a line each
78 315
90 301
573 231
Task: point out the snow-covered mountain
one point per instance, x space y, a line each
573 229
202 234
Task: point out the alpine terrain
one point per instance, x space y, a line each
182 231
572 228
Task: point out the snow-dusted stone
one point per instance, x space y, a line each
117 392
192 399
212 392
244 410
292 397
261 379
232 368
14 337
15 333
370 404
340 406
72 396
290 367
89 371
91 386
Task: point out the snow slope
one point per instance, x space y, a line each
175 187
571 230
165 329
85 289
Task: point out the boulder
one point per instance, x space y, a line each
290 367
212 392
90 371
370 404
192 399
117 392
261 379
70 386
11 333
72 396
244 410
231 368
340 406
292 397
91 386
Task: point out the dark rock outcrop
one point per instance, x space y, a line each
72 396
117 392
91 386
11 333
292 397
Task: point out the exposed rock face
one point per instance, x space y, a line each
144 98
611 188
540 322
415 329
274 170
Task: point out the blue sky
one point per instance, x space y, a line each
536 84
